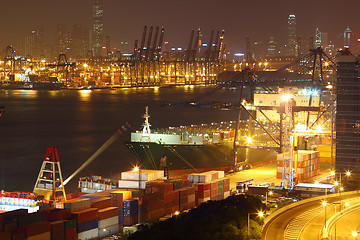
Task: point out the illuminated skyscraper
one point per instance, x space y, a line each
34 43
317 38
347 38
272 47
61 39
291 35
97 29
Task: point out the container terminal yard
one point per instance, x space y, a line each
297 123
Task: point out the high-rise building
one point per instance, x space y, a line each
97 28
317 38
347 38
62 39
34 43
291 35
347 115
272 47
79 44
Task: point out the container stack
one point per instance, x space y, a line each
76 205
306 164
153 206
130 212
70 229
87 223
210 186
108 221
37 231
187 198
137 180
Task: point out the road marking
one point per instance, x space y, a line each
293 229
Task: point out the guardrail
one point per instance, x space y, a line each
325 233
301 202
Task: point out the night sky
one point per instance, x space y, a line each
124 20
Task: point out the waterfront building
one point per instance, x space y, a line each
34 43
347 38
291 35
348 115
79 45
318 41
97 28
272 47
62 39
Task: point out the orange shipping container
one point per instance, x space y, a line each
108 213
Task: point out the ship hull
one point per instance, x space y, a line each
187 158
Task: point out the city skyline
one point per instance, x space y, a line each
237 19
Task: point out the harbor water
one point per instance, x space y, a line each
79 122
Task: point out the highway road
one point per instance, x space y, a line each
304 220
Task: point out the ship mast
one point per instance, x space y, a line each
146 126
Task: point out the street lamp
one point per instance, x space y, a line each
270 193
324 204
137 169
259 214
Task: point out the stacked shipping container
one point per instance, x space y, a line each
306 164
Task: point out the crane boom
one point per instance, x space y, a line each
118 133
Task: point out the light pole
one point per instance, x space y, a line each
270 193
324 204
137 169
260 214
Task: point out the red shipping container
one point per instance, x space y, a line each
214 198
183 206
191 205
57 230
201 187
5 235
18 236
86 215
129 221
101 203
71 234
56 214
108 213
174 209
205 194
152 206
35 228
74 195
10 226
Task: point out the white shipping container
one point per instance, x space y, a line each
145 175
109 222
108 230
221 174
132 184
190 178
204 178
91 234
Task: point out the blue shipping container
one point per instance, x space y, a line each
88 225
121 219
130 207
92 198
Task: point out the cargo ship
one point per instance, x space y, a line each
191 149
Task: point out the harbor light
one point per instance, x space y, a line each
354 234
348 173
323 203
260 214
136 169
346 204
285 97
248 140
176 213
